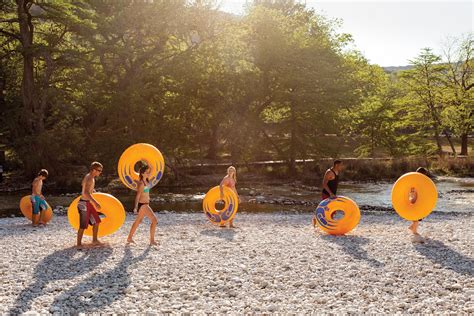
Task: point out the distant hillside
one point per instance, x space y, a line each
392 69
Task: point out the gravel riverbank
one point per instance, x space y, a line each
271 263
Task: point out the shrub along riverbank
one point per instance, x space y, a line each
307 172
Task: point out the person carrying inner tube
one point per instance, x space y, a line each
37 198
88 206
412 197
330 183
331 180
142 205
229 181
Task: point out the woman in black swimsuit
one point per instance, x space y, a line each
142 206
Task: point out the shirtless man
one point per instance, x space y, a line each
37 199
88 206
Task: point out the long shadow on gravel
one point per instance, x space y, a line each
224 233
438 252
60 265
22 229
101 289
352 245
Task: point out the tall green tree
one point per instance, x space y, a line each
41 35
459 92
423 101
373 121
302 71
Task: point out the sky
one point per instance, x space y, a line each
387 32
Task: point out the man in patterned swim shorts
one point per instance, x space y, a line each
88 206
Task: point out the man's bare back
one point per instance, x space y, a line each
37 186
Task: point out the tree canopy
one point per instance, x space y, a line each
83 80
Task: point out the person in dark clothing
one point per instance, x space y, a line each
330 182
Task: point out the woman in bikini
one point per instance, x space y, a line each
229 181
142 206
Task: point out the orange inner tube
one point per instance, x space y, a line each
231 205
328 208
111 209
26 209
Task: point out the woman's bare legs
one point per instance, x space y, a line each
148 212
412 197
145 210
414 227
137 222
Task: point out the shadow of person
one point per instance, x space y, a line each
438 252
352 245
101 289
224 233
22 229
60 265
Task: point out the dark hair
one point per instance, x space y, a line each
422 171
337 162
96 165
142 170
43 172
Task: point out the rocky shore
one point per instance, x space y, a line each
272 263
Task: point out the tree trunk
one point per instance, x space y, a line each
3 89
372 142
280 152
213 142
438 143
292 162
28 90
450 142
464 144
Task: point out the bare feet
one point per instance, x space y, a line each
97 243
153 243
418 239
313 221
86 246
414 228
130 241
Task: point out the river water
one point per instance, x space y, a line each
456 195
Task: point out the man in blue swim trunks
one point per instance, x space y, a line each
37 199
